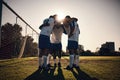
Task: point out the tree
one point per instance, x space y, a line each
80 49
31 47
11 38
104 51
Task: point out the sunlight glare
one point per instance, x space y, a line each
61 16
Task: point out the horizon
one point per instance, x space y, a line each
99 21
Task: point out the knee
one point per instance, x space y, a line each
46 52
76 52
59 54
71 52
40 54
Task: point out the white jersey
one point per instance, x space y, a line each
56 35
76 33
46 30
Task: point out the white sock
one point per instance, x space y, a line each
40 61
59 60
71 60
74 59
48 58
54 61
44 61
77 60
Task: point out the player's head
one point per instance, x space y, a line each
67 17
51 16
75 19
66 21
55 16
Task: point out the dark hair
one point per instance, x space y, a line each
55 15
75 19
51 16
67 16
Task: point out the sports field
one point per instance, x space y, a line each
91 68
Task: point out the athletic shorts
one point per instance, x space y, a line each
72 45
56 46
44 42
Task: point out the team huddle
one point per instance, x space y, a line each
50 41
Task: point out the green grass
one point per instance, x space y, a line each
101 68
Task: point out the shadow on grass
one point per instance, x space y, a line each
60 75
46 75
81 75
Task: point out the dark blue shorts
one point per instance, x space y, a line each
44 42
72 45
56 46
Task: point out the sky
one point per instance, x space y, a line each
99 20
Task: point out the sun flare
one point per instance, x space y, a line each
61 16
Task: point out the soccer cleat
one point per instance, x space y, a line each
46 68
59 64
49 65
40 68
75 66
69 68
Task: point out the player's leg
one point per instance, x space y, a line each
76 60
49 58
71 60
59 50
45 66
50 54
71 51
54 57
40 59
46 46
59 58
44 58
71 56
42 50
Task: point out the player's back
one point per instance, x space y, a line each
56 34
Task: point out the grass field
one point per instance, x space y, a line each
91 68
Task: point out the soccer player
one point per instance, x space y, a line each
73 31
56 42
44 41
56 46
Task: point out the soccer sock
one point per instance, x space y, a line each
77 60
40 61
44 61
54 61
71 60
59 60
74 59
48 58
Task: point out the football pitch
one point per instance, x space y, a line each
91 68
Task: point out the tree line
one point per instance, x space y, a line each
12 40
101 52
